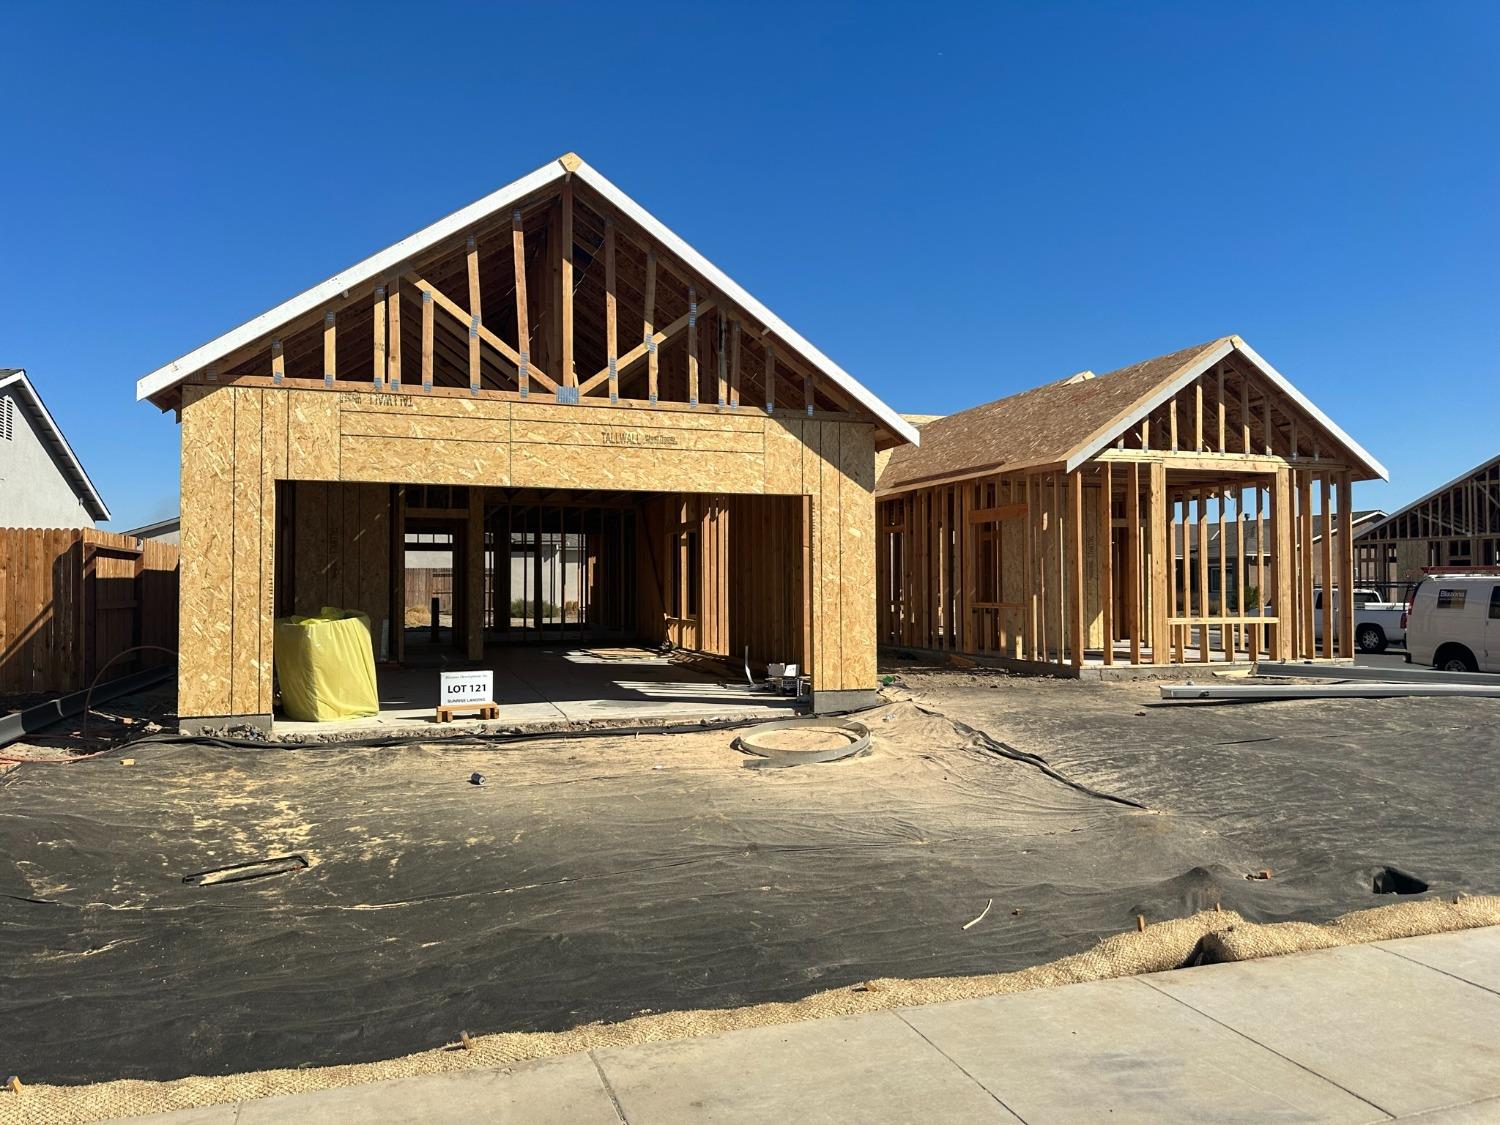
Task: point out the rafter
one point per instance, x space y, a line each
644 348
461 314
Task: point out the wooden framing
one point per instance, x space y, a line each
1189 571
310 445
1456 524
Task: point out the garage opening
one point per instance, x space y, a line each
585 604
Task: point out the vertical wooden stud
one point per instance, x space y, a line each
1075 573
611 312
330 349
692 345
393 331
569 374
649 328
379 341
770 377
1133 610
1106 558
426 342
523 326
734 363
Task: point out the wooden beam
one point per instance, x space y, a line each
611 312
770 377
1161 551
330 349
523 326
1106 559
1223 448
692 345
734 363
1304 560
648 331
426 342
807 393
1226 640
1202 512
644 349
1245 414
1346 565
1198 416
379 331
458 313
997 514
393 331
1075 572
1346 595
1172 424
475 319
1133 560
569 374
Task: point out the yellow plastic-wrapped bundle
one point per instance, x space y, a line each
326 666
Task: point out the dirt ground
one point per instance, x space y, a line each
606 878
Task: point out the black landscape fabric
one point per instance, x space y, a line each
581 881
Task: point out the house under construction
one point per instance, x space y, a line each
604 436
1041 528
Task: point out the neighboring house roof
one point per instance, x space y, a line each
387 260
1070 421
14 379
1482 467
1232 538
159 528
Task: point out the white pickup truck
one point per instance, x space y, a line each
1376 623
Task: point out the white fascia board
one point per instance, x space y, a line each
386 260
371 268
54 438
738 296
1098 440
1198 367
1322 419
1401 511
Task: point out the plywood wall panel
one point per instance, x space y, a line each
240 441
783 443
406 461
205 623
857 556
830 623
812 476
312 434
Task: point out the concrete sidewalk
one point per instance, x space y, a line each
1404 1029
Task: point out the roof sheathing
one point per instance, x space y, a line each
386 261
1068 422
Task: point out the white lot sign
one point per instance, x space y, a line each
467 687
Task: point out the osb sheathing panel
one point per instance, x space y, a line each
856 556
206 619
238 441
245 574
783 471
312 435
342 550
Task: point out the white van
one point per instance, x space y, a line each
1454 622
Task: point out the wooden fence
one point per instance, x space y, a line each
73 599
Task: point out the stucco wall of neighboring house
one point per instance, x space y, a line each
33 490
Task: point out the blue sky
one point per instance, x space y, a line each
955 202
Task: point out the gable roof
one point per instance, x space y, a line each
1482 467
386 261
1070 421
14 379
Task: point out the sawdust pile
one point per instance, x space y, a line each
1206 937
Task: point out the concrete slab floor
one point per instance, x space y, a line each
560 684
1361 1033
